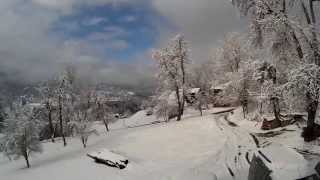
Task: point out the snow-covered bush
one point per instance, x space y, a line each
162 110
21 134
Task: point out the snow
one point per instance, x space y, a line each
286 163
140 118
221 86
197 147
35 104
109 156
194 90
106 154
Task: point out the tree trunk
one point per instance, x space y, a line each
50 122
25 150
105 122
312 111
61 122
309 132
200 108
182 61
84 142
244 111
275 99
276 110
179 103
27 160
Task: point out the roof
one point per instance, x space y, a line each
194 90
221 86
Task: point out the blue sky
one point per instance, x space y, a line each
119 32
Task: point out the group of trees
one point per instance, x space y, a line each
279 57
67 108
293 45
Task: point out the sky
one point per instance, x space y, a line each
107 40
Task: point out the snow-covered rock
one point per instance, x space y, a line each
109 158
284 163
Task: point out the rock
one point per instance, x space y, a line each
317 168
258 170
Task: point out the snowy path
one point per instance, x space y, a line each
231 162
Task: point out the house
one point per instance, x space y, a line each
171 97
218 89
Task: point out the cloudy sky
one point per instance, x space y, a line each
108 40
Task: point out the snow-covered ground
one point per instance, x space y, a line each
206 147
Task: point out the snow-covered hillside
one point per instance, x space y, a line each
206 147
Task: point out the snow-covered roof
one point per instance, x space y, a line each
131 93
35 105
221 86
194 90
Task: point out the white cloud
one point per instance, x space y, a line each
115 31
31 52
94 21
203 22
119 44
128 19
68 5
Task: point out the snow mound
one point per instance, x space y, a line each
140 119
285 163
109 158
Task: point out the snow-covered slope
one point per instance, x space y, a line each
197 147
140 118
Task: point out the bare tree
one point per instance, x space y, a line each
66 100
83 123
172 65
47 92
21 133
232 52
